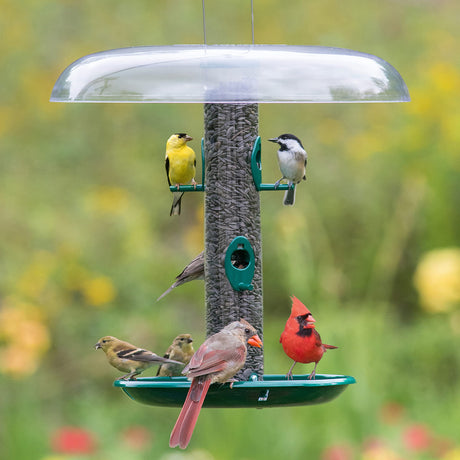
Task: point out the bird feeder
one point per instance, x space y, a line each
231 80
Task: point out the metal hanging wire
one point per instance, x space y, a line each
204 23
252 20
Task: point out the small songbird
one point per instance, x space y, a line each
292 160
128 358
218 359
193 271
180 162
180 350
300 340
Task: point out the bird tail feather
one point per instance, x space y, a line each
289 197
176 205
167 291
185 424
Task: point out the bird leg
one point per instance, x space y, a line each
194 183
130 376
313 373
289 374
232 381
177 186
277 183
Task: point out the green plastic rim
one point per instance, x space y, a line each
272 391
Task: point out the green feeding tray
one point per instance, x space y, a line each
272 391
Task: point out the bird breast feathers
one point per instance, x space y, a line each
181 165
292 166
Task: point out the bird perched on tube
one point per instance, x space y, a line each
128 358
193 271
180 163
300 340
181 350
218 359
292 160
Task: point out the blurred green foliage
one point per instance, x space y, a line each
87 244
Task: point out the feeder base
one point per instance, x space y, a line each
272 391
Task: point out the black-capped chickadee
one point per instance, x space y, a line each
292 160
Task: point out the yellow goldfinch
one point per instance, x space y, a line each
180 162
193 271
180 350
128 358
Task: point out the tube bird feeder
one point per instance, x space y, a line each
231 80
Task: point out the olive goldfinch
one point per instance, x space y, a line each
292 160
128 358
193 271
180 162
180 350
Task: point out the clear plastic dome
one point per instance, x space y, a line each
230 74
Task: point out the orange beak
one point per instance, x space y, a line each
310 319
255 341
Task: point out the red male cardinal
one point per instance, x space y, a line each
218 359
300 340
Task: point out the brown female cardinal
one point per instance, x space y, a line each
218 359
300 340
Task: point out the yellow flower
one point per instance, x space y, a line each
17 361
380 453
34 336
437 279
453 454
444 77
24 338
14 314
109 200
99 291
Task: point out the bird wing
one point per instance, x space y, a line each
208 362
195 269
318 338
167 169
139 354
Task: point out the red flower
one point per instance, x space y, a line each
417 438
73 440
337 452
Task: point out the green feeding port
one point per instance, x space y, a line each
256 168
272 391
239 264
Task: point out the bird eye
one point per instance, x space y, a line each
247 331
104 341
